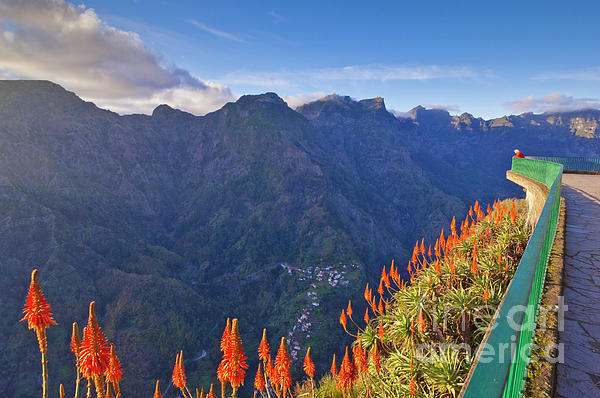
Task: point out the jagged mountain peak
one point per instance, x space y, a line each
266 98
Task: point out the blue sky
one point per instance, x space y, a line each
481 57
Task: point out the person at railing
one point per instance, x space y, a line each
518 154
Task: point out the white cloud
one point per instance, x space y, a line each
455 108
381 73
554 102
213 31
72 46
400 114
295 101
587 74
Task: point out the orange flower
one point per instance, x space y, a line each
37 312
360 357
235 358
224 346
420 321
422 249
157 393
75 340
333 368
263 349
385 278
376 357
94 353
474 266
451 266
366 318
367 294
114 372
380 288
270 370
486 294
412 388
380 332
259 380
373 307
345 379
309 366
282 367
211 393
178 378
380 307
343 319
349 309
225 337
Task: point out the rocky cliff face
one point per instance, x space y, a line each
584 123
172 222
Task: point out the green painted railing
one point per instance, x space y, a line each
502 359
573 164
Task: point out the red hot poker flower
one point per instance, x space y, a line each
366 318
224 346
376 357
486 295
235 358
178 378
474 268
420 321
259 380
114 372
270 371
282 367
345 377
37 312
157 393
211 393
343 319
263 349
94 353
333 369
225 337
360 357
412 388
349 309
309 366
75 341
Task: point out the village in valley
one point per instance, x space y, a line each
316 279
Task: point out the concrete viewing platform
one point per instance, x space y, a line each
579 375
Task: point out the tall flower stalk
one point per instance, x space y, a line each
309 369
282 369
234 360
76 348
39 318
94 356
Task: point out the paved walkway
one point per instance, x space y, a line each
579 375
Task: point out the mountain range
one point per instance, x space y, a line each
173 222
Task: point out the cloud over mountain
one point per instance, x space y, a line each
553 102
53 40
